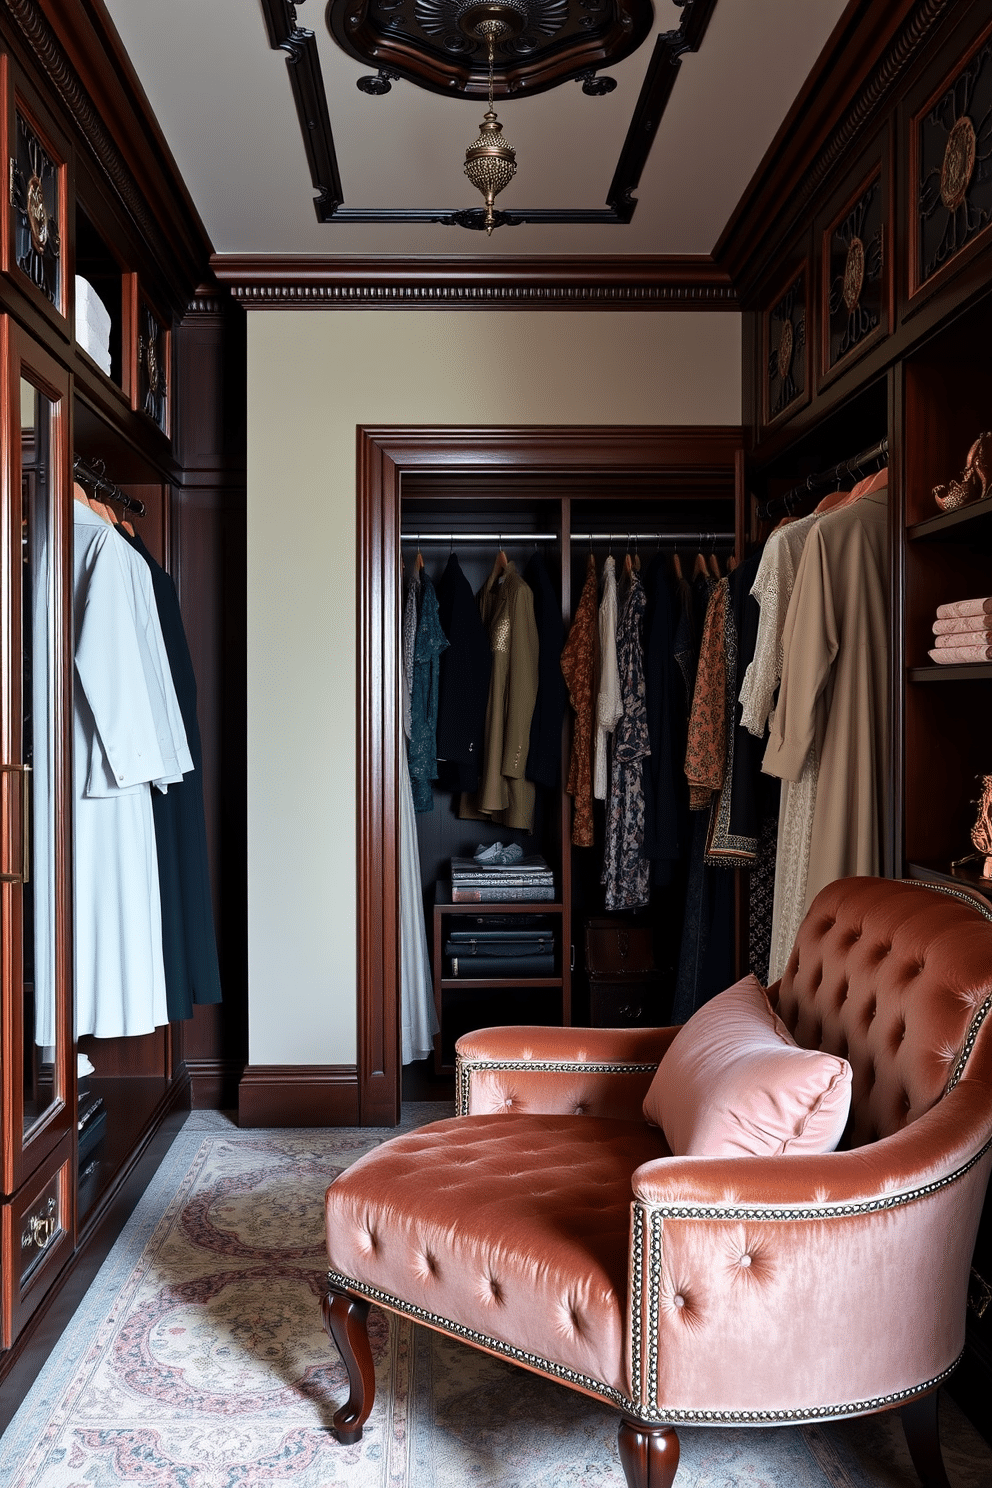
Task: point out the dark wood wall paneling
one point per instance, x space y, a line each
70 72
908 363
209 565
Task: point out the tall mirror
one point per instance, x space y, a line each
37 769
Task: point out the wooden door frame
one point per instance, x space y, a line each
587 455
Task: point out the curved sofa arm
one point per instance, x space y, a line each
558 1071
772 1289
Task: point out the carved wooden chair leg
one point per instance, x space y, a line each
649 1455
346 1322
919 1420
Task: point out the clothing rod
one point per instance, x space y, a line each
824 480
91 473
621 535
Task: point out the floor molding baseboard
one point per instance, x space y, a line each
298 1095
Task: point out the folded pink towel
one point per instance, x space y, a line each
951 655
964 607
964 638
963 623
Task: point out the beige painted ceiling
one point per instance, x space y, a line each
223 100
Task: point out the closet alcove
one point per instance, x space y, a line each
515 482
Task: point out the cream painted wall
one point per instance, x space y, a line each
312 377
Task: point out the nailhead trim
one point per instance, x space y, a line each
630 1407
464 1069
815 1211
494 1345
983 1011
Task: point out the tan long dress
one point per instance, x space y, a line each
834 696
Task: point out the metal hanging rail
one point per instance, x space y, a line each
91 473
867 461
620 535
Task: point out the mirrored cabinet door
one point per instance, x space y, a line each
35 863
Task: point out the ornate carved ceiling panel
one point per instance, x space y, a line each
432 42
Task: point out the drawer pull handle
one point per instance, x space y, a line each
41 1228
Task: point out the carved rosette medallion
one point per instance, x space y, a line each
786 374
854 264
786 343
152 364
854 273
34 196
954 154
958 165
37 215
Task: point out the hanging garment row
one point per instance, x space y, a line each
823 641
145 947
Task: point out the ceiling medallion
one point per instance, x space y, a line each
437 44
959 162
854 273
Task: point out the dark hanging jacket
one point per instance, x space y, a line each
189 943
463 690
544 756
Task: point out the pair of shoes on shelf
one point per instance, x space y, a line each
975 480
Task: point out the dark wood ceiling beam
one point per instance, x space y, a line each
477 281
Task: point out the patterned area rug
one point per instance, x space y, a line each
197 1360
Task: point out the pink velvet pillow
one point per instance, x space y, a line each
734 1083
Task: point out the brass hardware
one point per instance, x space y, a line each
979 1294
41 1228
24 875
12 182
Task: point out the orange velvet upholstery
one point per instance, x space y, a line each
548 1222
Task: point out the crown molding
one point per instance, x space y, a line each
836 108
476 282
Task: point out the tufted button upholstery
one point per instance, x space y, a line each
892 976
526 1249
551 1223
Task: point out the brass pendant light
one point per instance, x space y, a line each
491 162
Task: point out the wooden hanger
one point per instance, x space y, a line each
677 565
714 566
699 567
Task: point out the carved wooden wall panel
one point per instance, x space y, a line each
951 167
787 350
856 275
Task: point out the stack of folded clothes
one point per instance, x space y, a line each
963 632
497 953
498 874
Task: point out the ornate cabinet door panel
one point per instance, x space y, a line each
35 717
856 269
786 343
951 170
34 240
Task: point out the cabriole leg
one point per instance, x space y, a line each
919 1421
649 1455
346 1321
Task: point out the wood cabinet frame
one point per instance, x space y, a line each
16 97
589 459
21 1152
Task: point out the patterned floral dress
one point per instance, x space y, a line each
430 642
626 871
